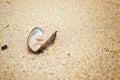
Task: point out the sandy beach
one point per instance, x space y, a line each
87 46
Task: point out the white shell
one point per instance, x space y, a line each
34 39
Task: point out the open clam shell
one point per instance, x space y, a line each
34 40
33 37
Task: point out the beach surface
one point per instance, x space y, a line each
87 46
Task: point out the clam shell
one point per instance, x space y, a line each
33 39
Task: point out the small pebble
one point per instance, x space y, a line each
4 47
8 2
68 54
33 58
11 73
23 56
7 67
23 70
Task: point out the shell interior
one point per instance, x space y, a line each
34 39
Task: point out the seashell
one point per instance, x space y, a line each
34 39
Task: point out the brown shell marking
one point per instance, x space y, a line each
47 43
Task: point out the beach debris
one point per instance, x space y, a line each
6 26
68 54
4 47
34 39
8 2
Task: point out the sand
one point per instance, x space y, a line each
87 46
